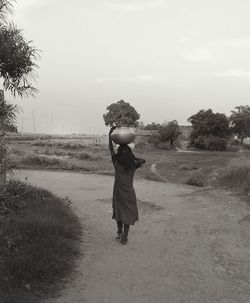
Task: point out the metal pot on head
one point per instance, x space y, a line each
123 135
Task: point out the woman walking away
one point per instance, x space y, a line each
125 210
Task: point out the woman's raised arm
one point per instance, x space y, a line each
111 147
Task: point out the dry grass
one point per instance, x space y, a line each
35 160
197 179
40 239
236 175
176 167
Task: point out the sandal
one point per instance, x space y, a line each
124 240
119 236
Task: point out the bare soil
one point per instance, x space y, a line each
190 245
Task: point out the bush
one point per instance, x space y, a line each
87 156
40 240
236 175
216 144
199 142
212 144
197 179
41 160
246 146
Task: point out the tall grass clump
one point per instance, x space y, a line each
87 156
197 179
236 175
39 242
41 160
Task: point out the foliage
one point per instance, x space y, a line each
199 142
236 175
240 119
12 129
216 143
197 179
211 143
169 131
39 243
152 126
8 117
17 56
206 123
5 8
121 113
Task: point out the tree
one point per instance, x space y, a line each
240 119
206 123
12 128
169 131
121 113
17 56
17 68
152 126
8 117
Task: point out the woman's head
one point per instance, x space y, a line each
125 157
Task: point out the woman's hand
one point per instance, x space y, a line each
112 129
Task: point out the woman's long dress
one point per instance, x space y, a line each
124 197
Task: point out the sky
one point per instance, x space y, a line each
167 58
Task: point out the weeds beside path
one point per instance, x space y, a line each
39 242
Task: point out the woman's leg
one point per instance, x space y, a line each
119 228
124 238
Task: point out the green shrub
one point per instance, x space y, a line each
216 144
246 146
40 240
41 160
236 175
85 156
199 142
197 179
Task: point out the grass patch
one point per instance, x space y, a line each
197 179
41 160
75 155
153 177
61 145
39 242
87 156
236 176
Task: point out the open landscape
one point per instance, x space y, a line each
126 175
216 181
188 166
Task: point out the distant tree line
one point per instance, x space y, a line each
211 131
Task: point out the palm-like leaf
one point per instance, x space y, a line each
17 59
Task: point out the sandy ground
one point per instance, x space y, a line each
190 245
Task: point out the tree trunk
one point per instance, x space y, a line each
2 155
241 139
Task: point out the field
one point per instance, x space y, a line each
190 221
74 154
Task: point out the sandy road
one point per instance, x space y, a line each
189 246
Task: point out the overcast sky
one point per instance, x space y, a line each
168 58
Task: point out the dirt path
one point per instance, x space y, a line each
189 246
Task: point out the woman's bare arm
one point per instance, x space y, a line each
111 147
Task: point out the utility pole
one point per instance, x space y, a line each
34 126
2 148
51 124
22 127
